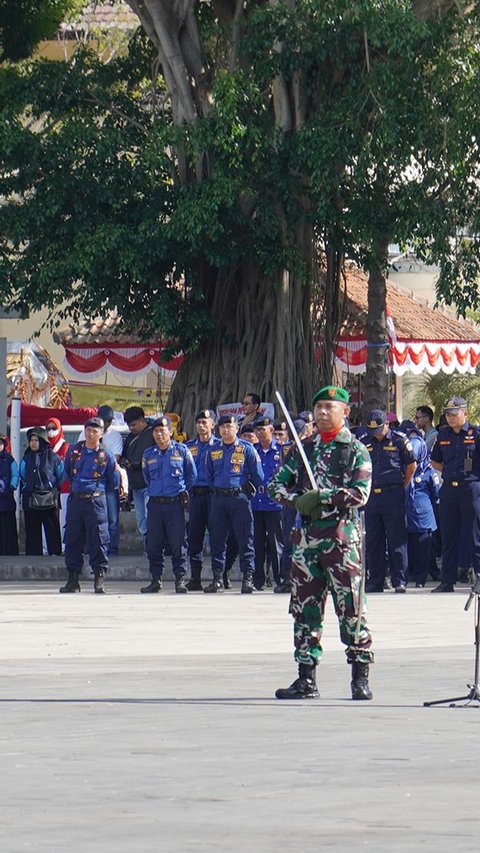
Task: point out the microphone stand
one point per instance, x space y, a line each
474 695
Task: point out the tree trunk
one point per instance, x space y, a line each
262 342
331 314
375 388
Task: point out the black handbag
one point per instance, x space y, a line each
47 499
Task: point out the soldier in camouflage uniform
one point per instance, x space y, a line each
327 553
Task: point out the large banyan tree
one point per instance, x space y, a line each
210 182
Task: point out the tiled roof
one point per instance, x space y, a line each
102 16
101 331
414 319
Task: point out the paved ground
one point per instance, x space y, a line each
146 723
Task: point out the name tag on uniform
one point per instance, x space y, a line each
389 447
216 454
177 457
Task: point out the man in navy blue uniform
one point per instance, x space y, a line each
169 472
234 472
91 470
393 466
200 495
267 514
456 454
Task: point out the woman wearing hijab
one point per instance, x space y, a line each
56 439
41 473
8 484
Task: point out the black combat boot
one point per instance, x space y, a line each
72 585
359 685
180 584
227 584
216 585
283 587
247 582
98 583
154 586
304 687
195 584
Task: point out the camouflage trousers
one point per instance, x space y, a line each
320 565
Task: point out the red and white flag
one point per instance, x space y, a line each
392 332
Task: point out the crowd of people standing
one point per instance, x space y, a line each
215 486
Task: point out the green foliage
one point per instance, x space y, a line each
108 200
24 23
435 390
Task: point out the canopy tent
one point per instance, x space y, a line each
422 339
122 358
94 348
412 356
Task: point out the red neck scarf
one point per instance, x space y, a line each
329 436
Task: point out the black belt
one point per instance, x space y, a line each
382 489
227 492
456 483
159 500
87 496
201 490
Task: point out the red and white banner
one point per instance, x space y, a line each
413 356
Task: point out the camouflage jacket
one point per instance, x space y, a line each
342 470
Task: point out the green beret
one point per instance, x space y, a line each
331 392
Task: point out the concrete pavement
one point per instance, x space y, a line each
142 723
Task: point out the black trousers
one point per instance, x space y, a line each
34 520
267 533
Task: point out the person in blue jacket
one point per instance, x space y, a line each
41 474
234 472
422 495
9 476
91 469
169 472
267 514
200 495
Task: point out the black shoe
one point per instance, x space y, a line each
465 576
181 584
194 585
444 587
260 588
401 588
268 583
72 585
304 687
359 684
284 586
419 586
387 584
247 583
153 586
215 586
371 589
98 583
227 584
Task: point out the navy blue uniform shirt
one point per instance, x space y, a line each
168 472
198 449
390 457
231 466
271 460
90 470
453 449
